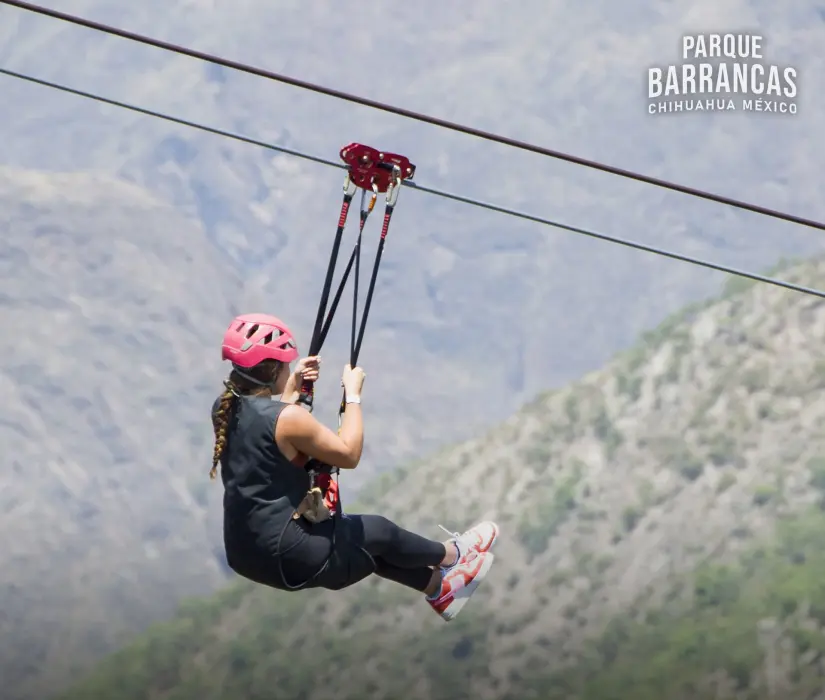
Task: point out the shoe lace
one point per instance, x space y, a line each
456 535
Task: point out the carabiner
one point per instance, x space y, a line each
366 211
349 185
394 187
373 198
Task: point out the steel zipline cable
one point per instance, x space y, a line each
382 106
428 190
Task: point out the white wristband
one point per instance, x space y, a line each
353 399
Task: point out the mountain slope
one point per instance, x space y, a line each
108 296
638 509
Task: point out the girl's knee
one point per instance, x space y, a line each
379 532
384 524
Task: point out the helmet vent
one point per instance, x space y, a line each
252 330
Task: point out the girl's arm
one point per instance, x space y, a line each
309 437
303 431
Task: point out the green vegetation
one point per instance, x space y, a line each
630 385
607 433
722 450
676 454
630 517
201 656
716 630
816 466
764 494
537 527
725 482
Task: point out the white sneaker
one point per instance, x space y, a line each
480 538
459 582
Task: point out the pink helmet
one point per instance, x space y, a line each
253 338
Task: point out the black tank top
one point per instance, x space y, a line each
262 488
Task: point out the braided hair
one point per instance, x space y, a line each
256 380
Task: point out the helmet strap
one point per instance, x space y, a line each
251 379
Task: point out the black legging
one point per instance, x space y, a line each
399 555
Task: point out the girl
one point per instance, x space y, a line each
262 446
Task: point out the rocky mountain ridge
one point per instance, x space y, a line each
645 501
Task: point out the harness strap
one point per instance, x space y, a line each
307 389
354 258
375 172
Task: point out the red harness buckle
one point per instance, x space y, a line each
371 169
329 488
331 496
